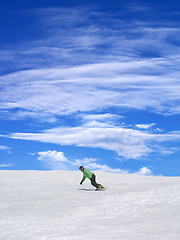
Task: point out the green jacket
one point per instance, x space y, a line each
86 174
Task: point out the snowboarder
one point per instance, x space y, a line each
91 176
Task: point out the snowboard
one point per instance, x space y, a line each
100 189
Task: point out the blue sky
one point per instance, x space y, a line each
93 83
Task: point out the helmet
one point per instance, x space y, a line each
81 167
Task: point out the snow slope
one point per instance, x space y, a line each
49 205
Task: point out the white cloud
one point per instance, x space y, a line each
100 117
6 165
145 126
54 160
4 147
99 120
52 156
144 171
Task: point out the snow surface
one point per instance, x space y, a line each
49 205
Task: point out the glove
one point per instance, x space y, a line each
81 182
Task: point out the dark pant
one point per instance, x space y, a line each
93 181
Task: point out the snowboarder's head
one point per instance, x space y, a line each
81 168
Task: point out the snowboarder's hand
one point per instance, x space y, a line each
81 182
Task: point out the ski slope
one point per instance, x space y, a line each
49 205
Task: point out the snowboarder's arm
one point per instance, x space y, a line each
84 177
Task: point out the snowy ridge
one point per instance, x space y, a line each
44 205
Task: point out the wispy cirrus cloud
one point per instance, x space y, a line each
61 91
128 143
79 35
